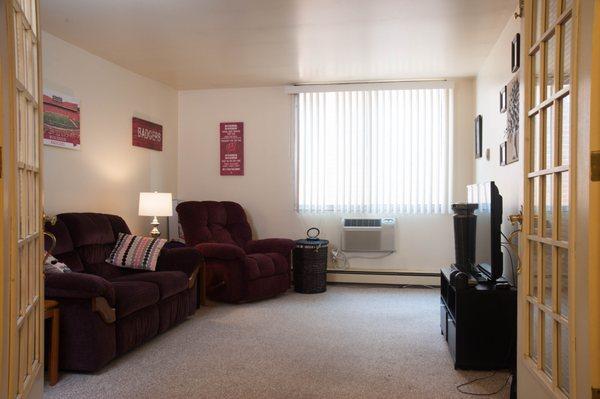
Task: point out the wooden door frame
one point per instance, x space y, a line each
594 198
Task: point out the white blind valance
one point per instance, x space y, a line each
373 151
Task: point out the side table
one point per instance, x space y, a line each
52 312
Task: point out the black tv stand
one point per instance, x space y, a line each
479 323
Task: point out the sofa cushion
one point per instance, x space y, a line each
105 270
88 228
265 265
132 296
168 283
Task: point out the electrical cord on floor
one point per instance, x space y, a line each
460 389
342 254
431 287
511 347
512 264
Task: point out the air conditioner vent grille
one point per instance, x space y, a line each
362 222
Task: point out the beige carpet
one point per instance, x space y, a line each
350 342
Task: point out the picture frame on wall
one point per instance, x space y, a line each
512 121
503 100
515 53
478 136
503 154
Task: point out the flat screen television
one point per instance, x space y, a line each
488 252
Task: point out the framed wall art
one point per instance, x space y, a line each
515 53
478 136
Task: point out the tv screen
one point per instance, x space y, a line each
480 194
488 254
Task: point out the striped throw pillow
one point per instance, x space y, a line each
136 252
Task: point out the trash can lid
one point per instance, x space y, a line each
312 242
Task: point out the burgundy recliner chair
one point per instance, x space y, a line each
107 310
238 269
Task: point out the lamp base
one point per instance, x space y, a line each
154 233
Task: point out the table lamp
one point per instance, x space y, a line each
155 204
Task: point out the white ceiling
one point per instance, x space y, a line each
192 44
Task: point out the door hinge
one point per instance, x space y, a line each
595 393
595 165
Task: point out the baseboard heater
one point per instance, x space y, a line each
383 277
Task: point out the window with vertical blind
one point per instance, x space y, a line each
373 148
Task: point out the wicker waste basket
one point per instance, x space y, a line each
310 264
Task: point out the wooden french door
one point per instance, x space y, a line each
550 177
23 239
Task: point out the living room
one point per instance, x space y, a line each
268 199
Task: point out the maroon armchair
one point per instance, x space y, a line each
238 269
107 310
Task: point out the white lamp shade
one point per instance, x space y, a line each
156 204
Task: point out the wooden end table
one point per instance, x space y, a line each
52 312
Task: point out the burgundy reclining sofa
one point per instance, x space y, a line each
238 268
107 310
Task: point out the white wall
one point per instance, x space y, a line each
107 173
424 243
493 75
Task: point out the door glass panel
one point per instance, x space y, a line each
537 73
538 22
536 142
549 138
533 268
552 11
566 54
563 216
534 327
535 199
550 67
547 362
563 281
565 134
567 4
563 359
548 206
547 269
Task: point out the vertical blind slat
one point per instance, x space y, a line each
375 151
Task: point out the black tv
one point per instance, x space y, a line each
488 252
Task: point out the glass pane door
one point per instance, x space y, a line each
26 289
548 184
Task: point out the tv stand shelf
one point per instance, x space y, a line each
479 324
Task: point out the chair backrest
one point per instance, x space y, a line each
84 240
213 221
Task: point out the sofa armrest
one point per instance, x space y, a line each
282 246
78 285
221 251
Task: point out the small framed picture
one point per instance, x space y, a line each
515 55
478 136
503 100
503 154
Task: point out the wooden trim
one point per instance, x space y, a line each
549 241
549 171
549 31
193 278
202 282
100 305
557 95
4 311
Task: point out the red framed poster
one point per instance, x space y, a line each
62 127
232 148
146 134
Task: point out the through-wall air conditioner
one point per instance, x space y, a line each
368 235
